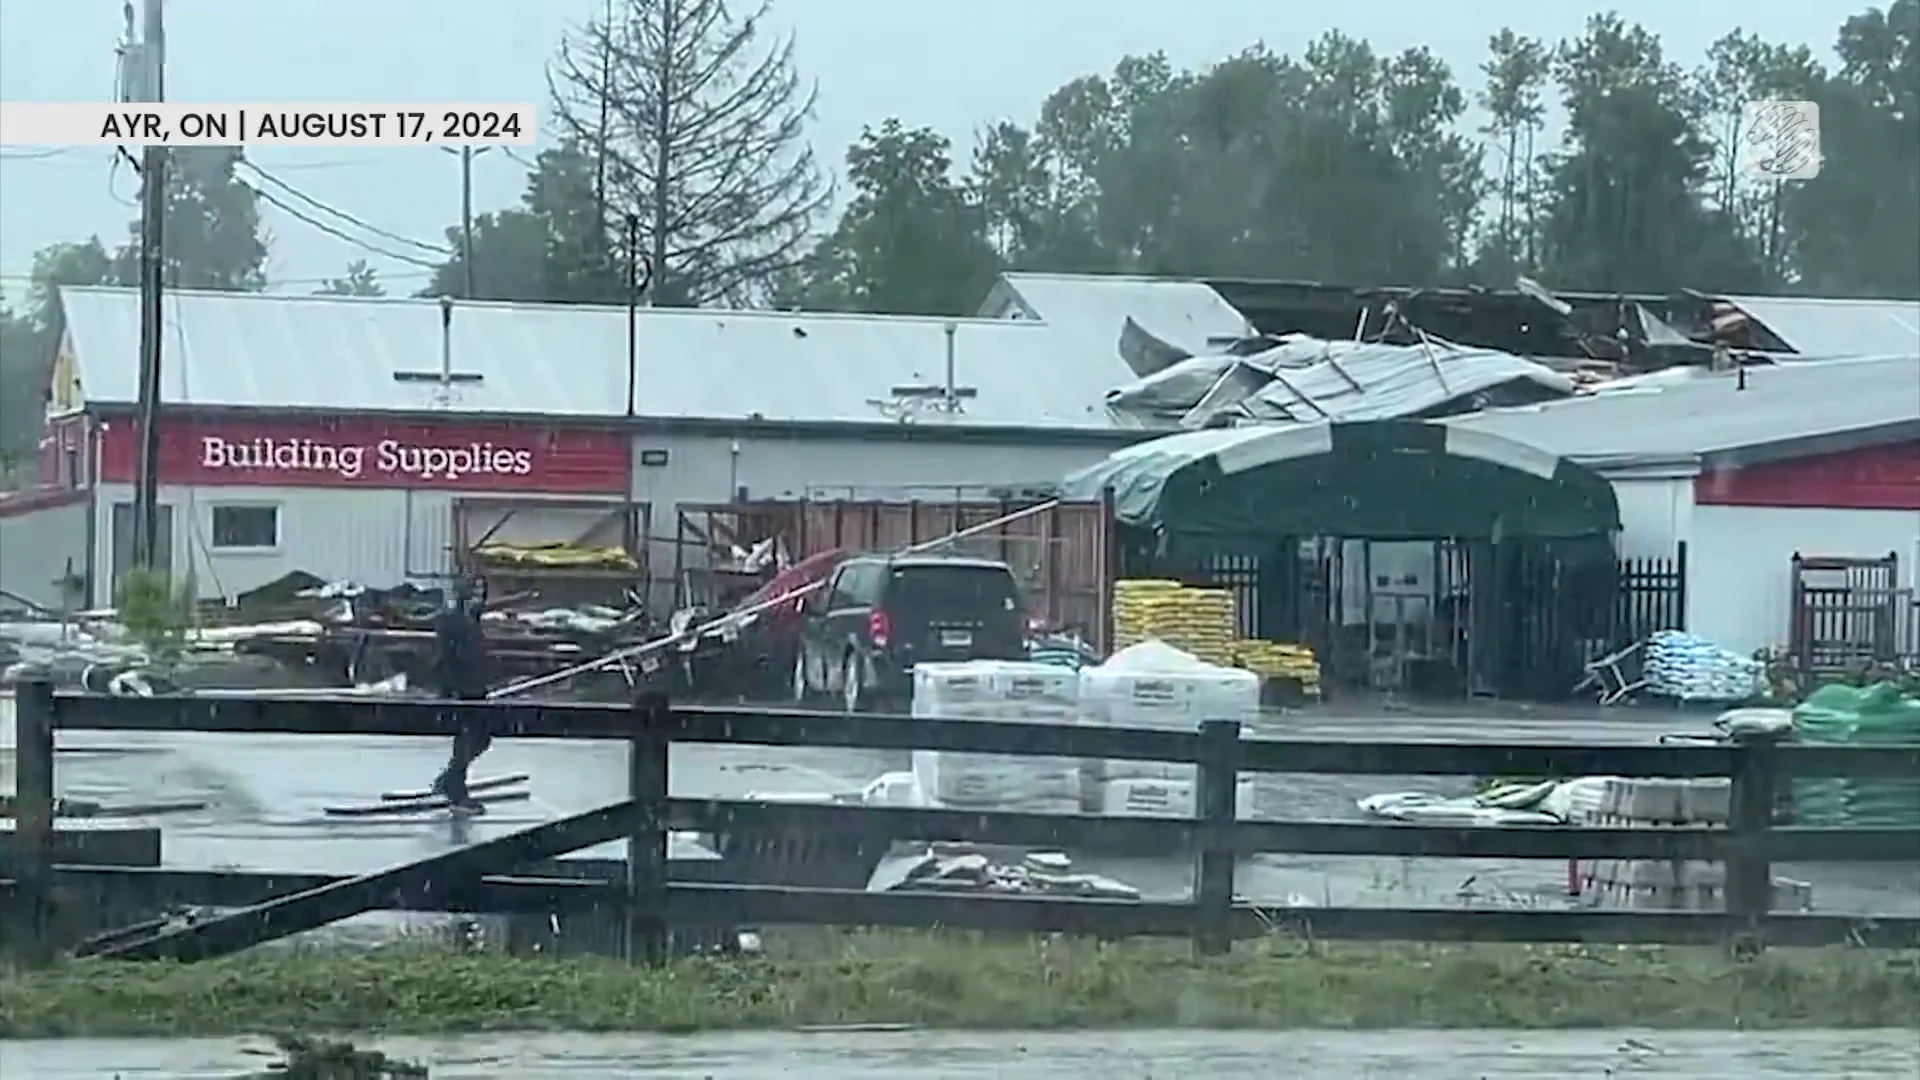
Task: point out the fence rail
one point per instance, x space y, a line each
1846 630
491 876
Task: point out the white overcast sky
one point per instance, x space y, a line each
951 66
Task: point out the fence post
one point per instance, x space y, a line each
1680 590
1215 814
33 823
1750 815
646 928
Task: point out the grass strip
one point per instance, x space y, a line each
970 980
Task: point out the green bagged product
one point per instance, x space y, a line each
1878 715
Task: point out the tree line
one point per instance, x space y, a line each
683 169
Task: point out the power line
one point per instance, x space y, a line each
113 176
339 234
276 283
323 166
335 211
428 269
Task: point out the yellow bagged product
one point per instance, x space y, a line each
1196 621
1279 660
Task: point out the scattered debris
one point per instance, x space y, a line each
1301 379
964 868
326 1059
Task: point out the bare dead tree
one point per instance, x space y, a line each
701 133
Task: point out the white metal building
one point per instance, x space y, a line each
785 404
775 404
1748 468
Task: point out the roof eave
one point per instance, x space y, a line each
1804 446
737 427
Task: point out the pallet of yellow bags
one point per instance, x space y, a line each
1279 660
555 555
1197 621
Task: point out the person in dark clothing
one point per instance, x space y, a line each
460 669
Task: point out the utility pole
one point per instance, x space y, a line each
467 154
153 209
633 312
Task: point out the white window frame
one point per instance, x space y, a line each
213 536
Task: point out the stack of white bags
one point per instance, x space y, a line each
997 690
1154 685
1149 685
1691 668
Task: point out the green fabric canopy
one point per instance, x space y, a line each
1237 488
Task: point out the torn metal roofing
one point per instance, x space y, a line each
1677 417
1305 380
1818 328
343 353
1189 314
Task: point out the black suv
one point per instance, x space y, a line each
879 615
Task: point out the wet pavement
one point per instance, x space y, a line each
1408 1055
265 796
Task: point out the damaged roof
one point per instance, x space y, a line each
1516 320
1189 314
1685 415
1305 380
248 350
1836 328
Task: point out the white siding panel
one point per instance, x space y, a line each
426 518
705 468
1740 573
104 496
375 537
37 547
1656 514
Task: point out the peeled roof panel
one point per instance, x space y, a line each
1710 411
1834 328
1343 380
1183 313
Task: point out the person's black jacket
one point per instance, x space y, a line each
460 654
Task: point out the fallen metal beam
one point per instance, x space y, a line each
433 876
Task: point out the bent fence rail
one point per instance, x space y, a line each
489 876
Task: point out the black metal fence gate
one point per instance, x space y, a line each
1518 619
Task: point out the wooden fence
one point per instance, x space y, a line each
1851 631
1059 550
482 877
